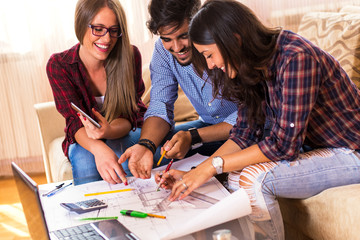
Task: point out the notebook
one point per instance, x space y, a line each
34 214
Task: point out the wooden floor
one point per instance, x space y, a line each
12 220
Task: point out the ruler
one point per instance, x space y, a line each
197 199
203 197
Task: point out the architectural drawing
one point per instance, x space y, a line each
143 197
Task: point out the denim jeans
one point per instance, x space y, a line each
83 162
310 174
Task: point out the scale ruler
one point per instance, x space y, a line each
197 199
203 197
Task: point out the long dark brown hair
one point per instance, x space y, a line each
246 46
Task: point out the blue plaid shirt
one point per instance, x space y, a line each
311 100
167 74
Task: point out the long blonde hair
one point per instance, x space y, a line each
120 96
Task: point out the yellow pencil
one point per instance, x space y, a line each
162 156
107 192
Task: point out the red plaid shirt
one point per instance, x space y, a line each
70 83
311 100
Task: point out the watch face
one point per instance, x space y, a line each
218 162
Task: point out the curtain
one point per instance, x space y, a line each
32 30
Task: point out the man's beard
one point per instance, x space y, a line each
188 62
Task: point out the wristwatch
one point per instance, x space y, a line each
218 163
196 141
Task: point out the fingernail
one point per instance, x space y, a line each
78 114
85 118
126 183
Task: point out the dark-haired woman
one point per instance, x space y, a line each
101 75
285 83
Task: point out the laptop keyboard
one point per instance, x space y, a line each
80 232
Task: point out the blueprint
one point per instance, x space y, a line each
143 197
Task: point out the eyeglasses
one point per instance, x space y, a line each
100 31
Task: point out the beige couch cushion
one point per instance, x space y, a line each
331 215
51 126
350 9
338 34
60 166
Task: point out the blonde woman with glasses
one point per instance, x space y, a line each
102 76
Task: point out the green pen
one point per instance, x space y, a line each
97 218
138 214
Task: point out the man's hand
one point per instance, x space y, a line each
140 161
178 146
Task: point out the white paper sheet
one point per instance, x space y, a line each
231 207
143 197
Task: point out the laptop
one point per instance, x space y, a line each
35 217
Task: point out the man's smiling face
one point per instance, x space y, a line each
177 42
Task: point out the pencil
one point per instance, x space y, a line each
96 218
107 192
162 156
166 170
156 216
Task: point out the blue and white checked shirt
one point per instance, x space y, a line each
166 74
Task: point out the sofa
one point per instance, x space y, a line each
51 126
331 215
334 214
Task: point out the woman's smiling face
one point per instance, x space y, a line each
97 47
214 59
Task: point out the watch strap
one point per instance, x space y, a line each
195 138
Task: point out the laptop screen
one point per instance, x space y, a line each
30 200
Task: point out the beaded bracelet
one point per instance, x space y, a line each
148 144
148 141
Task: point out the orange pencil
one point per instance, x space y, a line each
162 156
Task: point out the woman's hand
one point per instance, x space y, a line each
91 130
169 178
108 167
190 181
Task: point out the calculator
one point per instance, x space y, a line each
84 206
